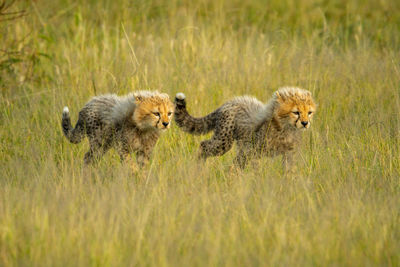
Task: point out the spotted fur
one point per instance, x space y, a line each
130 123
259 129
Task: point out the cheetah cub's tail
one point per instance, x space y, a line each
191 124
74 135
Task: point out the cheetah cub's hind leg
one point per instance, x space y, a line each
97 150
245 153
222 140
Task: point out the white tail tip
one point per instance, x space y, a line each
65 110
180 96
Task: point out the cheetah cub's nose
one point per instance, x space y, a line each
165 124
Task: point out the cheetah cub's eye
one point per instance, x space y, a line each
296 113
156 114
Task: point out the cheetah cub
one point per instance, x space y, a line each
130 123
259 129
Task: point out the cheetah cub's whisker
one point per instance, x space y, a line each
259 129
130 124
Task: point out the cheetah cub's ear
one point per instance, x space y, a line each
138 98
279 97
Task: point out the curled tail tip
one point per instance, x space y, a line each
65 110
180 100
180 96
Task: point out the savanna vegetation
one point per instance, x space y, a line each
342 208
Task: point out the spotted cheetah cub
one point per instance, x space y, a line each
259 129
130 123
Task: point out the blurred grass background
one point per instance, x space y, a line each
342 209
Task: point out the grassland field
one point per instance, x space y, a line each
341 209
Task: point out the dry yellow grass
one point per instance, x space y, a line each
342 209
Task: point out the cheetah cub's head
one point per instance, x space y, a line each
153 110
295 107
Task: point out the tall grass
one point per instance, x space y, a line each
342 208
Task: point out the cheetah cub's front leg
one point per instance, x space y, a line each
288 165
142 158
